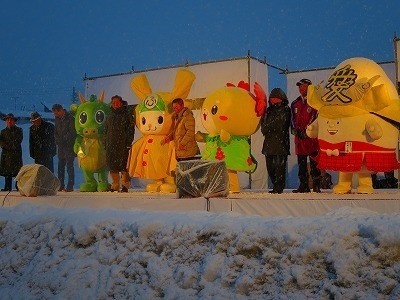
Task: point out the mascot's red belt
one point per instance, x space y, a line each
349 157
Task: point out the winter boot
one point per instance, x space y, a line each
303 188
317 185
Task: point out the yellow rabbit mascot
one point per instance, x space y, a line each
149 158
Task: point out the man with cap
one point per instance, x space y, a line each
302 116
42 146
65 135
11 151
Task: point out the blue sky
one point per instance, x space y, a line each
47 47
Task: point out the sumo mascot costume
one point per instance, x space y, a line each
230 116
149 158
90 118
358 111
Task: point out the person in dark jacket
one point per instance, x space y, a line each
275 126
11 151
302 116
42 146
119 132
65 135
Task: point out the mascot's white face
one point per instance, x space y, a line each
333 126
151 122
340 129
353 129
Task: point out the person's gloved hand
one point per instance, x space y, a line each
301 134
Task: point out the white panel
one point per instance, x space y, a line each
210 76
258 73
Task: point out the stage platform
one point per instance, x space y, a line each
247 202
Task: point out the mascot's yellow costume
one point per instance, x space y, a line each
149 158
231 115
358 111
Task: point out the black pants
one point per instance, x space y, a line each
7 183
276 167
303 170
62 162
46 161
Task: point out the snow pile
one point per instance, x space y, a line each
58 253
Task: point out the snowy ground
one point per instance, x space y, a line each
97 254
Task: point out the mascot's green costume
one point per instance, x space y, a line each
90 119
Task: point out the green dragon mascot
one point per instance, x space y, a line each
90 119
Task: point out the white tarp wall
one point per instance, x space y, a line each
316 76
209 77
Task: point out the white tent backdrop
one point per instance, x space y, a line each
210 76
316 76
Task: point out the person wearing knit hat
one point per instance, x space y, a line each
275 126
65 134
302 116
11 151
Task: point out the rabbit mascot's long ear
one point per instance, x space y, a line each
141 87
183 82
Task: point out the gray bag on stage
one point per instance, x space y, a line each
36 180
202 178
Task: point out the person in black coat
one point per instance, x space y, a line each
119 132
42 145
275 126
65 135
11 153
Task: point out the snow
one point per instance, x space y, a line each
60 253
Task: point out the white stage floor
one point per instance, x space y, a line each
249 202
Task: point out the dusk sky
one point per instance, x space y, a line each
47 47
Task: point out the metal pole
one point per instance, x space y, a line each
396 40
249 81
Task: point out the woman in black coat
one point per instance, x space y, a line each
275 126
11 151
